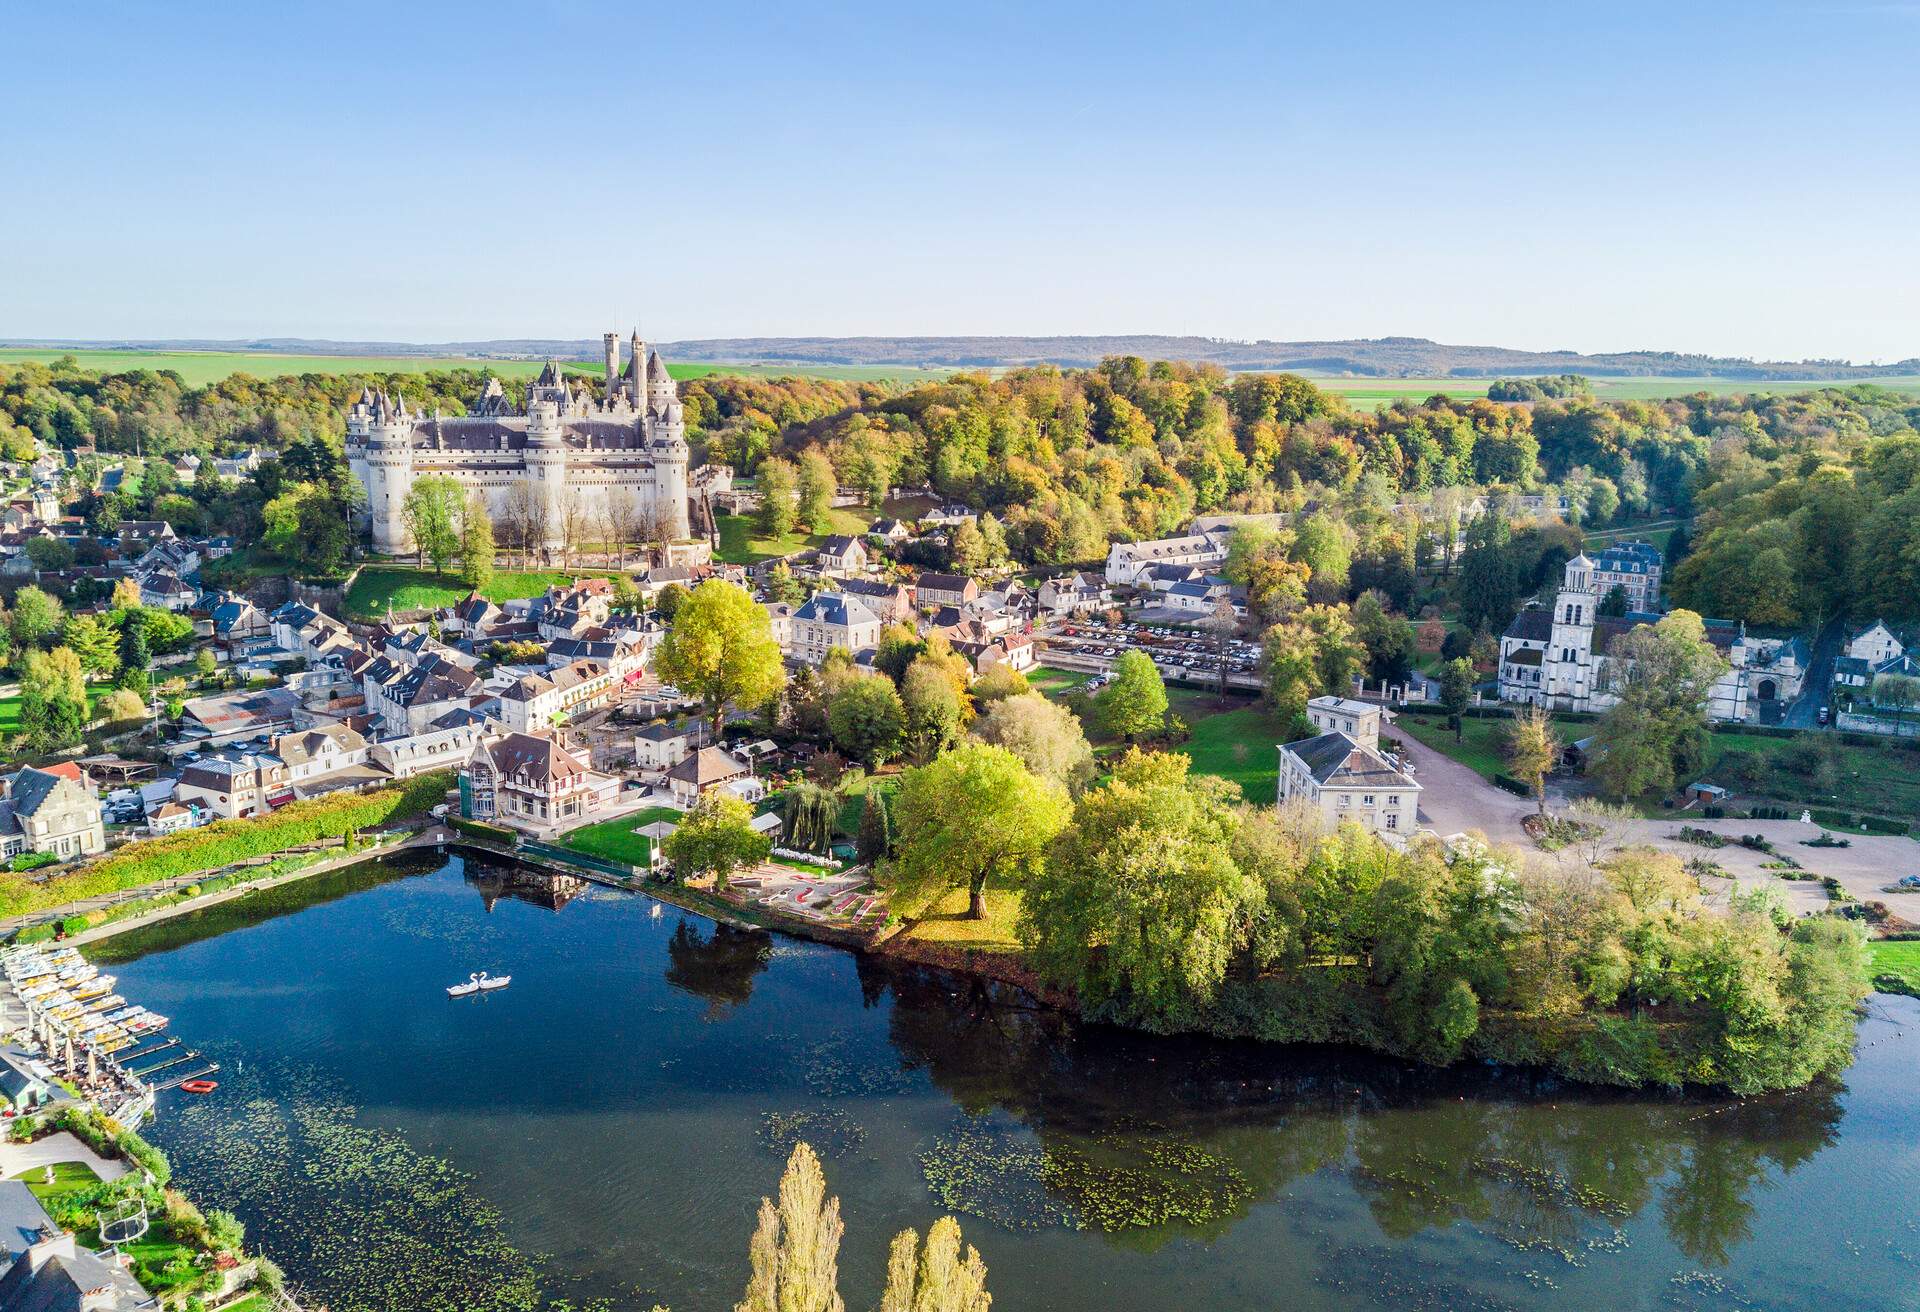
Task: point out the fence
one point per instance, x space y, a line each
566 856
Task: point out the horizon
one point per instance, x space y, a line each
1639 180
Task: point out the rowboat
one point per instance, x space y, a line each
199 1086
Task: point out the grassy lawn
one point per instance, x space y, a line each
1055 683
405 588
1883 780
68 1177
1898 959
251 1303
10 706
1238 745
946 922
616 839
1480 750
742 544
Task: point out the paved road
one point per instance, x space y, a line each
16 1159
1818 690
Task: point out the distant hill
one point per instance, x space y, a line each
1380 357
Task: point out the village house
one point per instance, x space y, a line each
935 589
889 532
171 818
326 749
237 620
712 767
1127 561
1634 568
137 535
536 701
43 1268
446 741
951 515
892 602
164 591
409 698
1075 594
841 554
985 649
234 785
1341 773
53 809
832 619
662 746
530 782
779 622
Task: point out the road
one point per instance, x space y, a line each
1818 689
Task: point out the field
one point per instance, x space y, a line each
1374 393
741 543
1240 745
1900 959
199 368
403 588
615 838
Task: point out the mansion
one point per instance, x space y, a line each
563 459
1558 657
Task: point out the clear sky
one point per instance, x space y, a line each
1735 179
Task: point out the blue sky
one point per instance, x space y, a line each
1735 179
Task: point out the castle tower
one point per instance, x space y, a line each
667 428
388 470
637 372
612 343
546 455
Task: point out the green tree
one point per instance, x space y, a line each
1614 604
898 648
874 839
1311 653
778 485
37 617
431 513
1134 704
1532 749
1045 735
667 604
720 648
809 813
969 816
968 551
999 682
1140 899
716 838
932 708
940 1280
868 720
57 673
49 553
817 484
476 543
205 663
1389 639
1489 587
1457 678
795 1251
1662 674
93 639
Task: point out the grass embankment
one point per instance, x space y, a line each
224 842
946 922
741 542
616 839
1055 683
404 588
1896 966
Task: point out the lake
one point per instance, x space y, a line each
602 1131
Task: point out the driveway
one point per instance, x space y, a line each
17 1159
1454 799
1817 691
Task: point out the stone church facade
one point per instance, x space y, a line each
563 455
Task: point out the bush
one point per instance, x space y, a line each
1512 785
476 829
32 861
74 924
34 934
227 841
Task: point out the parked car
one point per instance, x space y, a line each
1826 713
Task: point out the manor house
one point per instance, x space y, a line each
565 457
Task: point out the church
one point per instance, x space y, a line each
565 457
1558 657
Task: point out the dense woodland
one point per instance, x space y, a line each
1787 489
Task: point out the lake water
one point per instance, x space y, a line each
604 1129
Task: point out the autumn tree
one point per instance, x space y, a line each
935 1278
715 838
719 647
476 543
1663 674
1046 736
1312 653
1532 749
795 1251
1134 704
972 815
431 513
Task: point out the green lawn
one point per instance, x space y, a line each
68 1177
615 838
10 706
1054 682
946 922
1898 959
1883 780
1239 745
1483 735
405 588
742 544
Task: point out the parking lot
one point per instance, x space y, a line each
1093 645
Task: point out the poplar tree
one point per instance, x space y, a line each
796 1245
940 1280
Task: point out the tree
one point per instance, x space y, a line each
1662 674
126 595
874 839
1898 692
123 706
817 484
796 1245
1457 678
49 554
778 489
1045 735
1140 899
431 513
94 640
940 1280
670 599
1532 750
205 662
56 674
1000 681
932 707
1389 639
867 719
716 838
974 814
36 618
476 543
1614 604
323 533
968 551
809 813
575 521
1312 653
719 647
1488 588
1134 704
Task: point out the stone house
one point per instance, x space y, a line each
50 809
936 589
530 782
841 554
833 619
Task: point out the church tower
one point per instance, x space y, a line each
1571 664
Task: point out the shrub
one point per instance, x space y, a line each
32 861
34 934
1512 785
74 924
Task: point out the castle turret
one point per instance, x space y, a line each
637 372
546 454
612 342
385 467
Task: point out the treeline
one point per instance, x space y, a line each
1798 527
1551 387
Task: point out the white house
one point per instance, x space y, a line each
534 701
1358 720
833 619
1126 560
53 809
447 741
531 782
1876 644
1075 594
711 767
663 746
325 749
1346 781
841 554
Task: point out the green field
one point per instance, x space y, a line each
1053 682
1241 745
1899 959
10 706
1373 393
199 368
742 544
615 838
403 588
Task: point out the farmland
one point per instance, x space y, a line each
1374 393
198 368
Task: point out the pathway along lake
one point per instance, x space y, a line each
604 1129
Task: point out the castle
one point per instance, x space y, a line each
566 459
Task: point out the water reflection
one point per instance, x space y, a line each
1527 1158
718 966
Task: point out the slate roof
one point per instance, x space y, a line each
1337 761
839 545
837 609
527 756
943 582
666 732
1534 624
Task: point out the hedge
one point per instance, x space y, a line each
226 841
492 833
1512 785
